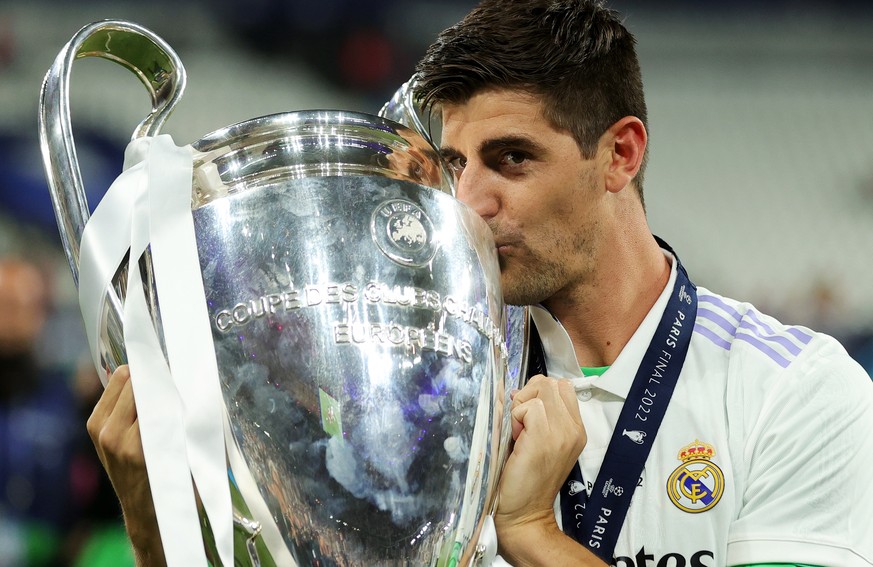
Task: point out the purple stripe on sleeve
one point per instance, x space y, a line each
754 330
778 339
754 316
712 336
718 320
799 335
720 303
775 356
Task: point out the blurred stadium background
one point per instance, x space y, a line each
761 125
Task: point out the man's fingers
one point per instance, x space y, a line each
106 404
114 419
124 413
530 415
548 407
552 391
516 421
531 390
114 386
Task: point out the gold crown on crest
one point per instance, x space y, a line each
696 450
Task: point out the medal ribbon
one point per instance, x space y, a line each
596 521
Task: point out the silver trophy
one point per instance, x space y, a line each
364 352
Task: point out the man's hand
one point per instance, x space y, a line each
114 429
548 438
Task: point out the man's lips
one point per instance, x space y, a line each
505 241
504 246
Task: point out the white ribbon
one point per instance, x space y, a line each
105 241
150 204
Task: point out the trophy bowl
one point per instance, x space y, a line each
357 327
364 353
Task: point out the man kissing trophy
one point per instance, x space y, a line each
314 325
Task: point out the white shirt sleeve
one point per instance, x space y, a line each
808 457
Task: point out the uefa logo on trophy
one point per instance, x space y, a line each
315 322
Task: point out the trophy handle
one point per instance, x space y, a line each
403 109
149 58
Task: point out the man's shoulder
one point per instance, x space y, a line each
761 340
765 358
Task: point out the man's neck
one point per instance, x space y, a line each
602 315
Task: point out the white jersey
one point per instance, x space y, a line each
765 453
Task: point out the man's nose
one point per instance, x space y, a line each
477 191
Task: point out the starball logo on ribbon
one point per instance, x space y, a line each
609 487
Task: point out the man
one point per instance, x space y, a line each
676 427
544 125
38 427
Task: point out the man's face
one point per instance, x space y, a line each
23 305
531 184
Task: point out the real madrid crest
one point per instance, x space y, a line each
697 484
403 232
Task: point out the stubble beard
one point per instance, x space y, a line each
531 284
541 276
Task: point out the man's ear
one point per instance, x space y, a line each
625 146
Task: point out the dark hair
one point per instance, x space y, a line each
576 55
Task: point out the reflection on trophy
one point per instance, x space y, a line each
364 355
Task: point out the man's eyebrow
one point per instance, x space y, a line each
447 152
522 143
